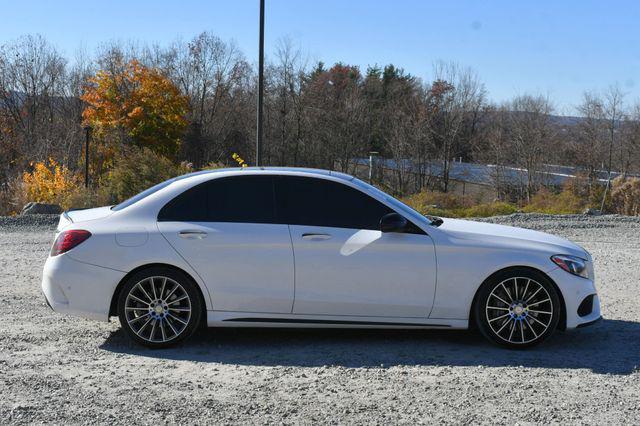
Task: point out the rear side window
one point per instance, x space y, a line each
248 199
321 202
241 199
190 206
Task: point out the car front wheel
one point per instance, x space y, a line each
159 307
517 308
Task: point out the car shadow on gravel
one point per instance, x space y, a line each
609 347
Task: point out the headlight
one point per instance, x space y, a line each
572 264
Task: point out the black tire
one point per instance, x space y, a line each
159 307
531 314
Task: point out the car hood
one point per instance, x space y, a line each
519 238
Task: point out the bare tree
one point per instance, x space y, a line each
286 103
456 98
530 136
589 143
632 139
337 113
403 128
496 149
210 72
32 77
613 112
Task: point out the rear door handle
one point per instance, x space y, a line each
192 234
315 237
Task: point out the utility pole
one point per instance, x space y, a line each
87 136
260 88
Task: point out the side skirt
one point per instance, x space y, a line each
244 319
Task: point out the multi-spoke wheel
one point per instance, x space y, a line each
517 308
159 307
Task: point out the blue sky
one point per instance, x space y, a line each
556 48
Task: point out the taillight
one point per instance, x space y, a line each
67 240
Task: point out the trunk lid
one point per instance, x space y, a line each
83 215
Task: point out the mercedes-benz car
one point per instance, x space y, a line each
288 247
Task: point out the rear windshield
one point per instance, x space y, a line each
143 194
158 187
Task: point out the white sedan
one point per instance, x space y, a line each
287 247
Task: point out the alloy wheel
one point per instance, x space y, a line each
519 310
158 309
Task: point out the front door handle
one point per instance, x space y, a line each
315 237
192 234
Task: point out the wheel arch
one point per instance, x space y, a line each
562 323
113 306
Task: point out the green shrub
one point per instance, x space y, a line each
452 205
134 171
83 198
497 208
434 200
564 202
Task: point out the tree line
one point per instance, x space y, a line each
316 115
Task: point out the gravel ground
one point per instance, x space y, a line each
59 369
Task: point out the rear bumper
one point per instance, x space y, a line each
77 288
574 291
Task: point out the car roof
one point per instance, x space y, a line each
168 188
269 170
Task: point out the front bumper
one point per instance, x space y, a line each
574 291
587 324
77 288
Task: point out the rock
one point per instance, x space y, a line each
592 212
41 208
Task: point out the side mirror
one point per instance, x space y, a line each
393 222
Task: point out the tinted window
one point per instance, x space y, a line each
245 199
190 206
320 202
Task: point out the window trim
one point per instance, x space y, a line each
278 220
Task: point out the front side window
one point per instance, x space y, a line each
321 202
397 204
241 199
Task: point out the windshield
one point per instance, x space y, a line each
395 203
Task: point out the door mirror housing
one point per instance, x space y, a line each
393 222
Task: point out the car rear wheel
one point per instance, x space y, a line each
517 308
159 307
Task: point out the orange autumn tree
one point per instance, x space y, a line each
138 102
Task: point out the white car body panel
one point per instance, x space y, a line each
363 272
78 288
105 248
470 252
263 273
248 267
574 290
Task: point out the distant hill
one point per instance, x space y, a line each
566 120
